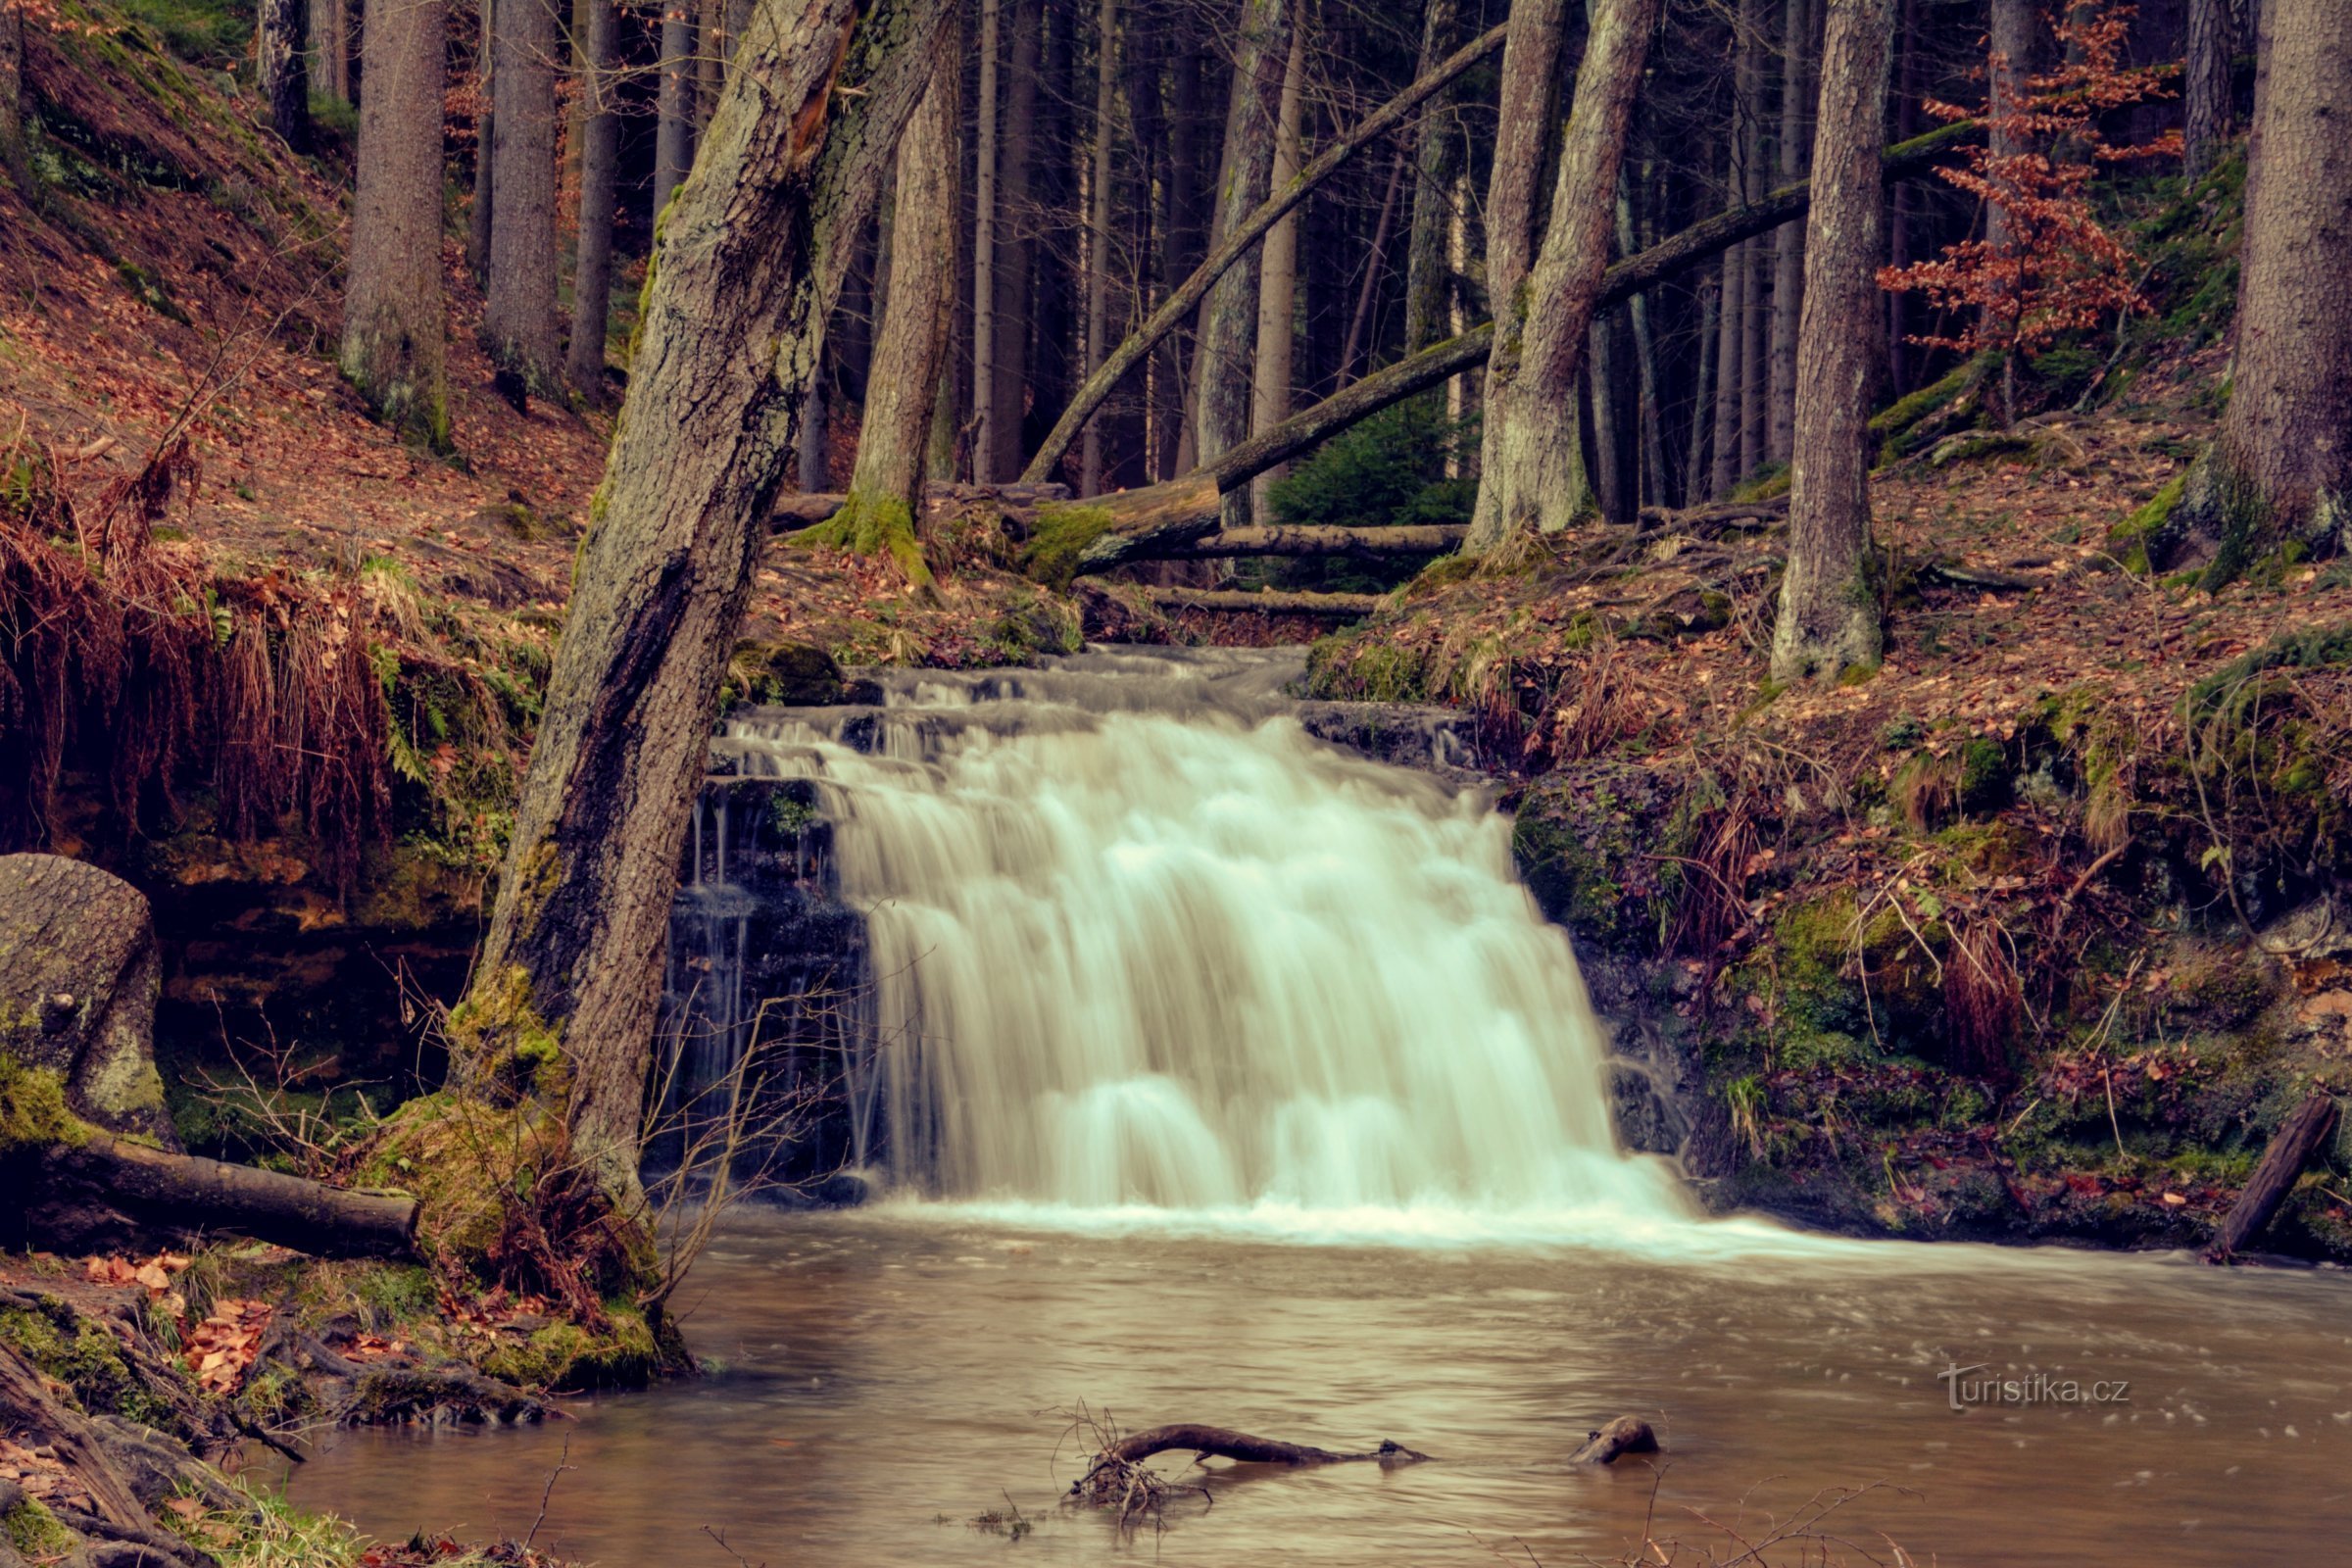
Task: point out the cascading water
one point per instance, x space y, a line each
1137 939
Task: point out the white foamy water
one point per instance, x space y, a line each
1141 945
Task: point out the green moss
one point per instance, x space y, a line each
1895 425
498 1029
1060 539
1032 626
787 674
83 1354
33 1531
33 1113
869 524
2129 539
1353 666
565 1356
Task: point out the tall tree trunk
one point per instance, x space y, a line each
600 192
883 507
1016 232
2010 47
1182 239
1612 488
1755 272
1526 115
1278 277
1651 414
1531 469
710 59
12 91
1901 204
984 253
2281 469
485 128
1229 316
393 330
1428 280
1828 613
749 262
674 125
1723 470
330 49
1788 244
1097 228
285 78
2205 87
1367 295
518 308
1697 476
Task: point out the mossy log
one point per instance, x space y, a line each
102 1185
1324 607
794 511
1431 539
2291 1149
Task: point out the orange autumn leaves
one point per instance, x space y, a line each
218 1350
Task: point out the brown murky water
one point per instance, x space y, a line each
883 1378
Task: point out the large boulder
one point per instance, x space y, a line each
78 980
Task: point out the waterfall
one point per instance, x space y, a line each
1137 939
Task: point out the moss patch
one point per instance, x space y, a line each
33 1113
1061 537
869 524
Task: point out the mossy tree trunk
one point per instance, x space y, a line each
2280 470
1829 618
1533 469
393 325
884 503
752 253
518 304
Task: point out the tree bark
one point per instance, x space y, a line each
2289 1149
751 255
393 330
1698 476
187 1193
1828 613
886 487
1229 316
1016 228
1525 105
1787 243
284 70
1237 242
1755 260
1428 279
12 91
2205 87
1278 281
2010 46
1625 1435
330 49
1531 473
2281 469
674 125
1730 334
518 306
485 132
1649 409
600 192
1098 227
984 253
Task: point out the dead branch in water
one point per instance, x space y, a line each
1116 1476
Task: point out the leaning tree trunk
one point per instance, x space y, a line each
1829 614
1278 281
1787 245
751 254
2281 469
885 499
518 305
600 189
285 78
673 107
2205 85
1525 106
1531 473
393 347
1229 317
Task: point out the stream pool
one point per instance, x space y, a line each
883 1377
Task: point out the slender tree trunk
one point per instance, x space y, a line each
284 69
600 194
673 126
749 262
1755 257
1730 325
518 308
1367 295
2281 469
1697 476
485 128
984 253
1900 202
12 91
1229 316
393 330
1278 277
1097 228
1828 613
1182 241
710 59
1605 380
1526 115
1788 244
1649 416
1427 279
2205 87
1530 473
2009 59
1016 231
330 50
884 504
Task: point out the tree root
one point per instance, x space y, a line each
1117 1478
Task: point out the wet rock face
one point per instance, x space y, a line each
79 979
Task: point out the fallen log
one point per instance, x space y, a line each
1628 1434
1327 606
1223 1443
1715 515
107 1184
1430 539
2291 1149
793 512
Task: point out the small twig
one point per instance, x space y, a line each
562 1463
720 1536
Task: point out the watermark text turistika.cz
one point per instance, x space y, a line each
1968 1386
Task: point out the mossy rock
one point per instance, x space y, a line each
788 674
628 1353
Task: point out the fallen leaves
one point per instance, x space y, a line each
220 1349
